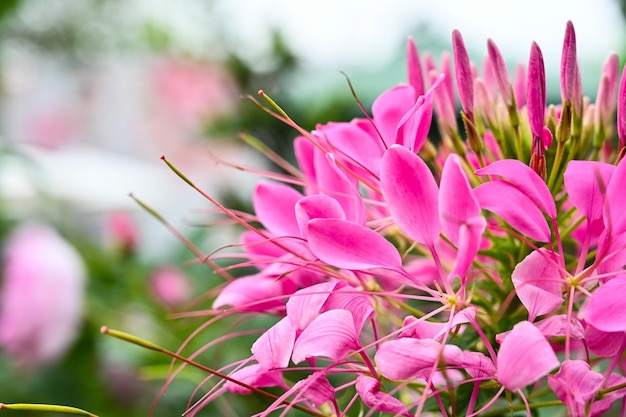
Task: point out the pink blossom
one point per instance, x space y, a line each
576 384
170 286
42 296
123 230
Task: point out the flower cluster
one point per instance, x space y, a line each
476 267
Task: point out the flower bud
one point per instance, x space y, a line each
463 70
536 91
414 68
500 70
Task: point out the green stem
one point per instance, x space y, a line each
556 166
519 407
149 345
47 408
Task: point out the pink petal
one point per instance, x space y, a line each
304 305
304 151
525 356
254 244
614 255
559 326
414 126
351 246
357 303
411 194
586 183
333 182
537 280
607 309
335 328
575 384
615 201
368 389
525 180
389 108
273 348
601 406
255 376
314 207
274 204
352 144
469 242
407 357
604 344
316 388
254 293
457 204
514 207
478 365
421 329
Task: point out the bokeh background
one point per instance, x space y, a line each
94 91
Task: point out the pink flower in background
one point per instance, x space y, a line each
188 91
170 286
122 230
52 128
42 296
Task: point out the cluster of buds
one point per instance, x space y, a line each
453 277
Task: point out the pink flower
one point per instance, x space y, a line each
123 230
42 296
170 286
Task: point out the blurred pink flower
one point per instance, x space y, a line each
41 297
122 230
170 286
52 128
189 91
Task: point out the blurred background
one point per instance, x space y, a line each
92 92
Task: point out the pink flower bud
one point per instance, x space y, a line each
519 86
500 70
569 64
463 70
170 286
611 70
414 68
621 111
536 91
42 296
603 103
482 100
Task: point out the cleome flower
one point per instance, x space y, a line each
479 272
